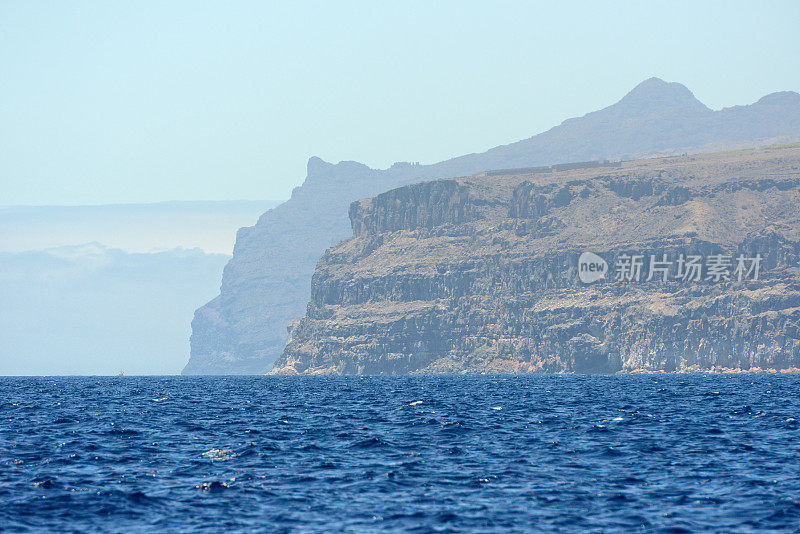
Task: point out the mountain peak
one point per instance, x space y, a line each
782 98
317 166
656 94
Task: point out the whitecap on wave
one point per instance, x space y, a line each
219 454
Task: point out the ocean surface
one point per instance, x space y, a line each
665 453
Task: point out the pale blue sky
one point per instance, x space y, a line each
148 101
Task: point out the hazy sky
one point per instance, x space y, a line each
147 101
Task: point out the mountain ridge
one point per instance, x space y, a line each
483 274
266 283
649 91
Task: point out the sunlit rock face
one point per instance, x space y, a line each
266 285
481 274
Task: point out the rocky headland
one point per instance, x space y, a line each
267 282
480 274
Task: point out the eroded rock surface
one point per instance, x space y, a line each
479 274
266 284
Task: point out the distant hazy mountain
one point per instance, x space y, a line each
655 118
267 283
94 310
124 301
210 226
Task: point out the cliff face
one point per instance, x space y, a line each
266 284
480 274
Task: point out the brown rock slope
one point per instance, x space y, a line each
480 274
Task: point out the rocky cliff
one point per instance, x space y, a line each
266 284
481 274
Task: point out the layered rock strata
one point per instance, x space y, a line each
480 274
266 284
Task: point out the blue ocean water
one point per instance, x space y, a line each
666 453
